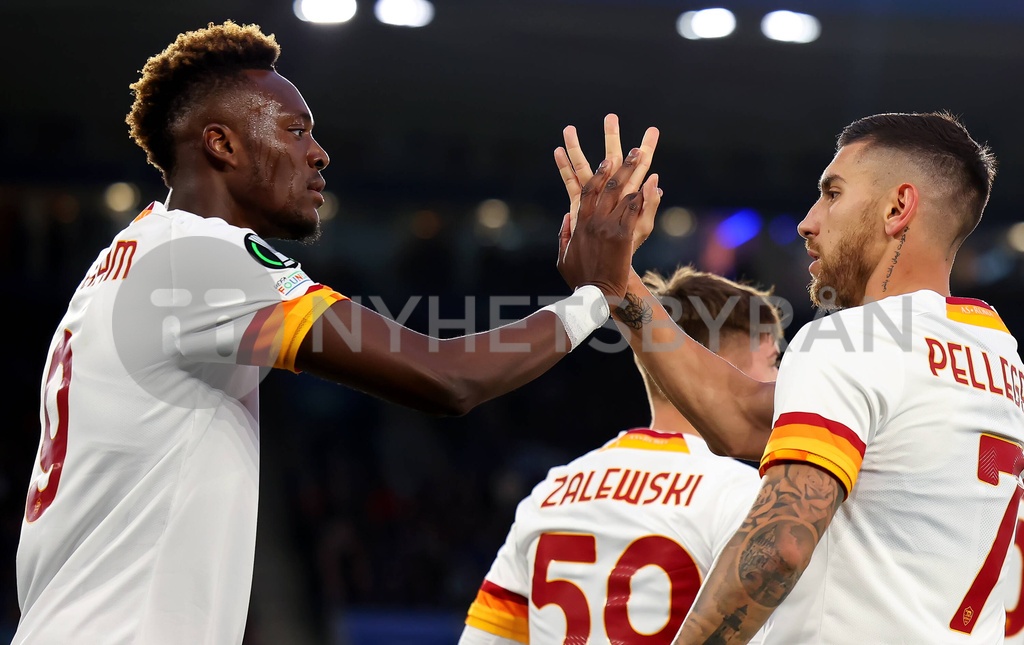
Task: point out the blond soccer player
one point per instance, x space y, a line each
613 546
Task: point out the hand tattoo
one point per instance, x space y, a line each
635 313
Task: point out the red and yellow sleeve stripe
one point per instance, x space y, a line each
803 436
974 312
501 612
275 333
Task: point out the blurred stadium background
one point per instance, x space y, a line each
377 524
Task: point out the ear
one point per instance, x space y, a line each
220 143
903 209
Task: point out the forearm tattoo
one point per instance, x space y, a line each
634 311
767 554
782 530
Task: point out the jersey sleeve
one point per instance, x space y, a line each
735 501
501 606
833 392
245 303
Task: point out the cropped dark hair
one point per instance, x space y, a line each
940 142
197 64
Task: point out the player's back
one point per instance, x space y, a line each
613 546
914 553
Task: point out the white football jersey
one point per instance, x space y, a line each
1015 585
140 523
613 546
914 404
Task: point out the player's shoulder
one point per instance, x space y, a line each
156 221
193 235
873 328
646 449
726 467
186 223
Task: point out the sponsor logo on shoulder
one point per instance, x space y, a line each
292 281
266 255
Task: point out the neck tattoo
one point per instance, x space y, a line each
895 258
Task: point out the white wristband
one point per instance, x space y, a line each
582 313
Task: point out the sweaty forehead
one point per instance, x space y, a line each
272 92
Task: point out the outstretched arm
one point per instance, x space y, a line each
763 561
357 347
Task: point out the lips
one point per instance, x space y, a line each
317 188
815 264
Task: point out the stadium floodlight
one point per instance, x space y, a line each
790 27
493 214
677 222
706 23
325 11
1015 236
121 197
404 13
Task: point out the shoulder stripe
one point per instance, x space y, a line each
974 312
647 439
145 211
974 302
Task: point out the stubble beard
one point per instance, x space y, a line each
311 237
842 279
289 221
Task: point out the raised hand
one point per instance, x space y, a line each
597 248
576 171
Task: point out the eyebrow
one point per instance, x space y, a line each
827 181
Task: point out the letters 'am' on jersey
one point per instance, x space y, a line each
140 522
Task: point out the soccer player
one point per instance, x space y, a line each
896 422
140 522
613 546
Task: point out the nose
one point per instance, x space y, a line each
807 226
318 157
